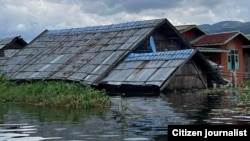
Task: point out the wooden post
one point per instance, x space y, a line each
234 78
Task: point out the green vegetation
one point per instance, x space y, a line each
53 93
245 92
246 83
235 103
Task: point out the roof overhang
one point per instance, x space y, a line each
215 50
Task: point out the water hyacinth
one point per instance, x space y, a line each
53 93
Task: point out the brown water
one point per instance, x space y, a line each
129 119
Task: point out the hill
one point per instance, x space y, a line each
225 26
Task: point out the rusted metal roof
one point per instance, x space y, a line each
220 39
148 68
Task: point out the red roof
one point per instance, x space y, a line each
216 39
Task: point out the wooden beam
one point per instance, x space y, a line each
203 81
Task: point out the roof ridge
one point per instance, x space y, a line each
225 32
185 25
108 27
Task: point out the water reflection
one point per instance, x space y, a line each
129 119
20 132
148 117
195 106
221 107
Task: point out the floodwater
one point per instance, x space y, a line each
129 118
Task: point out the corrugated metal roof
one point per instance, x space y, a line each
84 54
2 60
148 68
215 39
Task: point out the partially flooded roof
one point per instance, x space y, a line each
108 54
79 54
148 68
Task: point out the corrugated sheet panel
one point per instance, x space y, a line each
16 60
140 75
144 69
161 74
2 60
10 52
173 63
168 55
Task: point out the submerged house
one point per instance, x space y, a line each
146 55
10 46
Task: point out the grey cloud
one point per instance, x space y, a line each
109 7
34 16
134 6
210 3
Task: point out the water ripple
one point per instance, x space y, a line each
20 132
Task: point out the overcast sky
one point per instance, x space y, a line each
28 18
